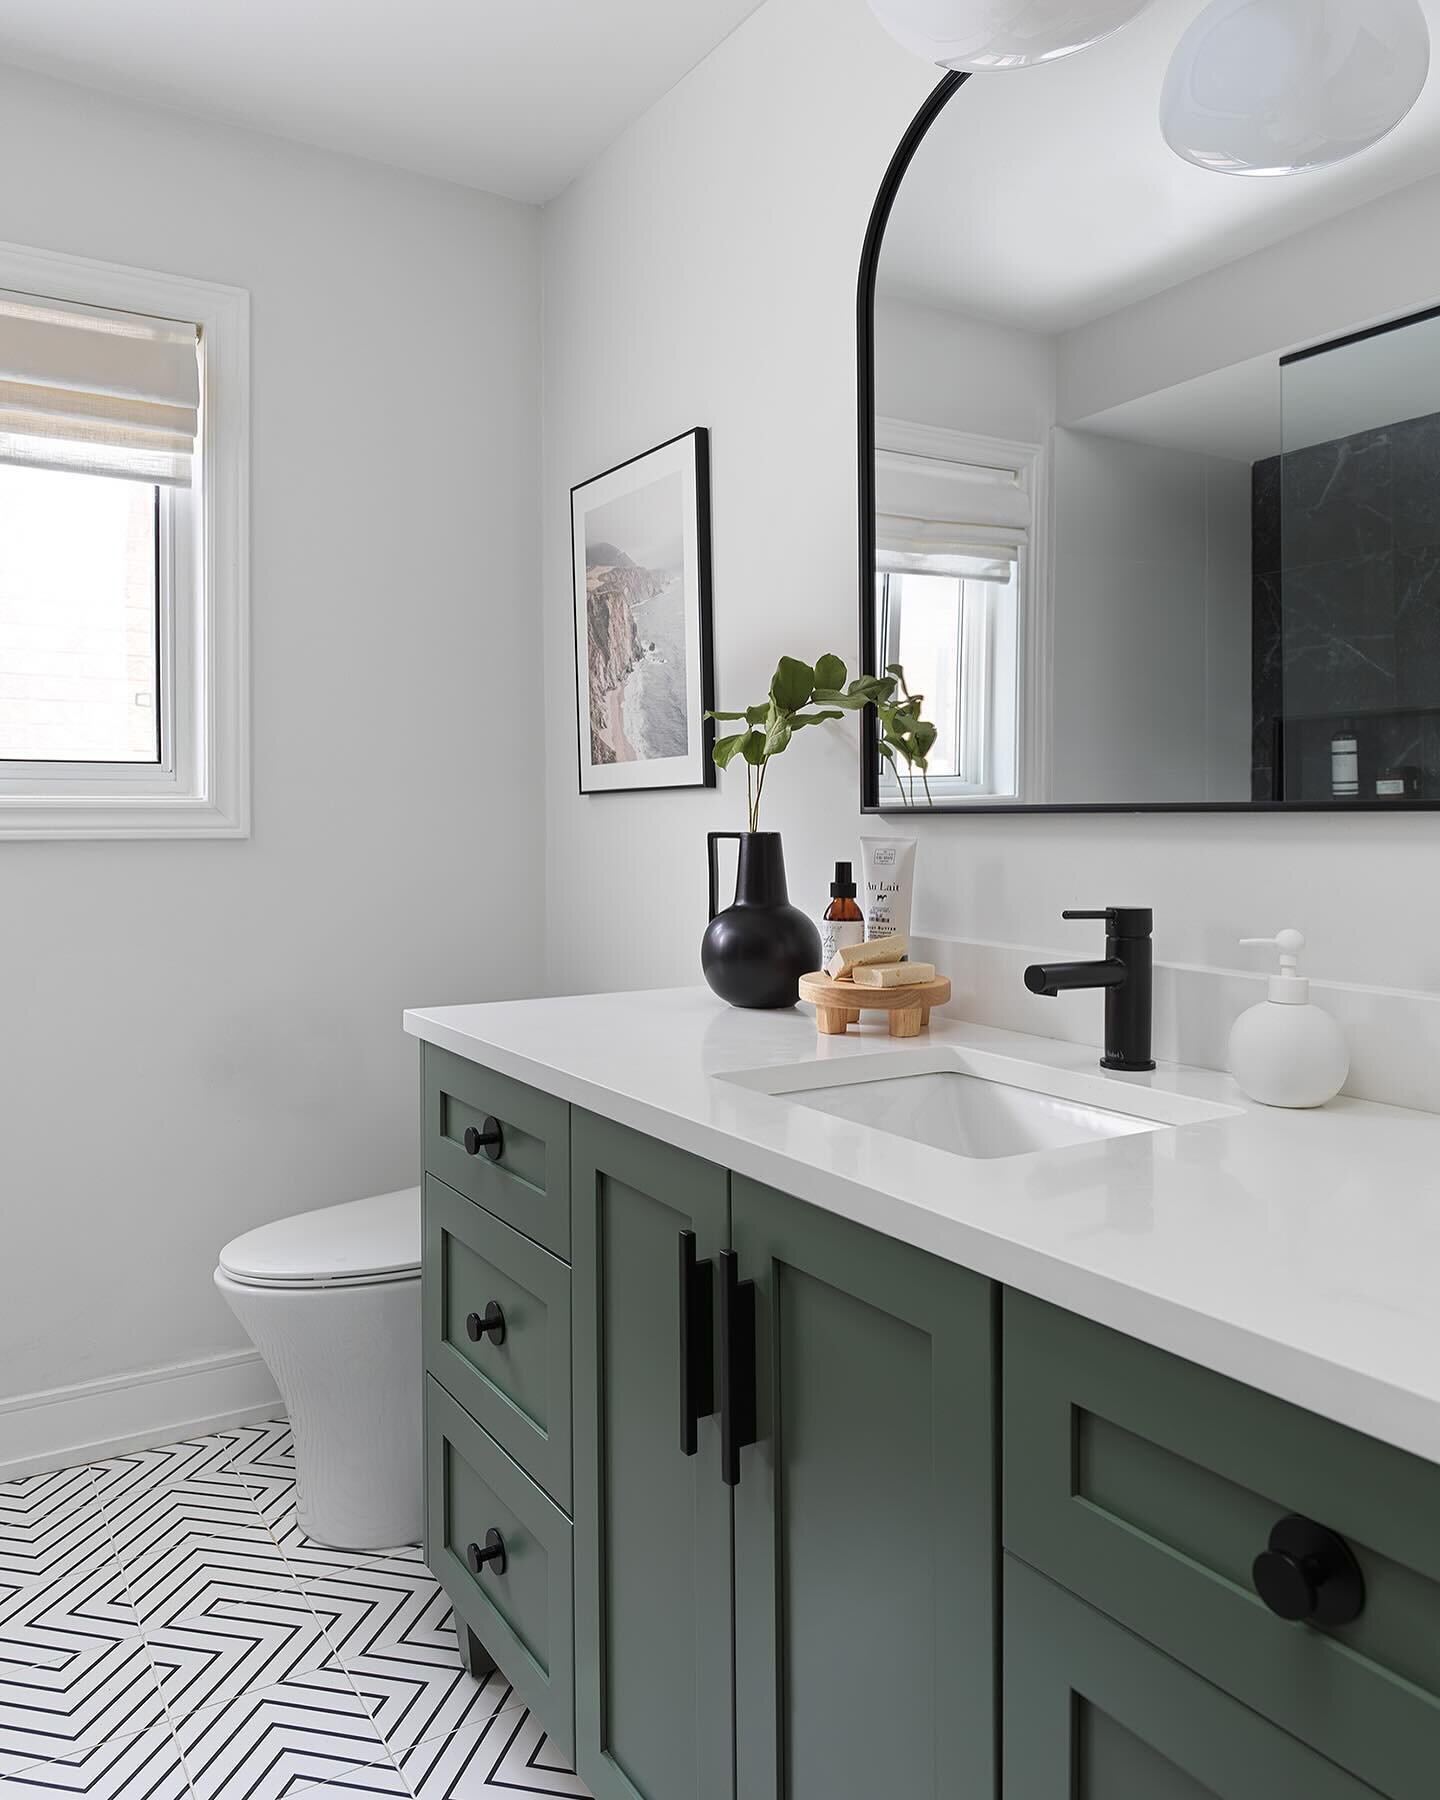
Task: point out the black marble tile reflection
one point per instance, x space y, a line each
1336 500
1338 635
1417 626
1416 458
1265 516
1345 627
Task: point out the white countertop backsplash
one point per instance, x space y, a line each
1393 1033
1295 1251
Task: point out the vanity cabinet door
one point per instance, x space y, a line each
865 1528
654 1717
1092 1713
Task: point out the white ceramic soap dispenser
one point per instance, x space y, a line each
1286 1052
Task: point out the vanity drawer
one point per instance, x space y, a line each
477 1269
1148 1486
1092 1713
526 1182
524 1613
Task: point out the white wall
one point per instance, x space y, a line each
195 1038
1151 622
934 367
703 272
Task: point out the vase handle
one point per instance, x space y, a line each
713 839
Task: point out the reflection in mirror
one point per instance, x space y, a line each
1156 455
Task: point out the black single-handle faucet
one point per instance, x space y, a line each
1125 976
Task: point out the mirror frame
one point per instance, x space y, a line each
870 801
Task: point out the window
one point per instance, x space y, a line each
956 639
123 415
956 534
80 619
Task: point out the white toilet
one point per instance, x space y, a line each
331 1300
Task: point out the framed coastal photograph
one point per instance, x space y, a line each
640 537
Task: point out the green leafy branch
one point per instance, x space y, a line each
804 694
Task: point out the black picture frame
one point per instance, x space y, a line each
687 453
870 800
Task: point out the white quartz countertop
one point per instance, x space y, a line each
1295 1251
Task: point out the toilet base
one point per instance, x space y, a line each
347 1362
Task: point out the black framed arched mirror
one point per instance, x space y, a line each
1150 455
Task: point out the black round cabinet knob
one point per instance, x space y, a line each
490 1323
491 1140
1309 1575
493 1553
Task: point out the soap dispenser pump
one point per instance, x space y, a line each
1287 1051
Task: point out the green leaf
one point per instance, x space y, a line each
815 718
752 748
722 715
776 731
839 697
792 685
725 749
829 672
757 715
925 736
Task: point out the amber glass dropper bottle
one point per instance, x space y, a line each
844 923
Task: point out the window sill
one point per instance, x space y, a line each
113 816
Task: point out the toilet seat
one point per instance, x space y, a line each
360 1243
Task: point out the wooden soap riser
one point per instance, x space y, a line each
839 1004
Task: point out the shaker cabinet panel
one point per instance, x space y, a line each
1149 1486
502 1144
865 1530
496 1314
652 1524
502 1551
1092 1713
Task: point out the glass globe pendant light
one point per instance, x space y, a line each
1275 87
1002 34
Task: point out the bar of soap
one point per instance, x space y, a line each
889 975
875 950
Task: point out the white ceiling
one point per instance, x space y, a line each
1256 409
1047 197
514 96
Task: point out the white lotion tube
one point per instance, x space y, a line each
888 866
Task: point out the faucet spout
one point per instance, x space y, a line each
1060 977
1124 972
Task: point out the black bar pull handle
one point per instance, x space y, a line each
697 1358
737 1366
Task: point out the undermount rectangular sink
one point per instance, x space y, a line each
974 1103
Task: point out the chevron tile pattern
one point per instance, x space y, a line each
168 1632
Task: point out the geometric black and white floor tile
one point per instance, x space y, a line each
168 1632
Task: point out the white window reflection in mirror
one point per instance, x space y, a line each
956 640
958 600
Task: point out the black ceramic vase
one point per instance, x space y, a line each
755 952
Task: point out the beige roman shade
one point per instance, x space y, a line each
940 517
98 393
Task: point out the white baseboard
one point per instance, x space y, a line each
96 1419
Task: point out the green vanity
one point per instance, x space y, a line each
749 1499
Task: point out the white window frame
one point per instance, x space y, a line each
201 788
1025 467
